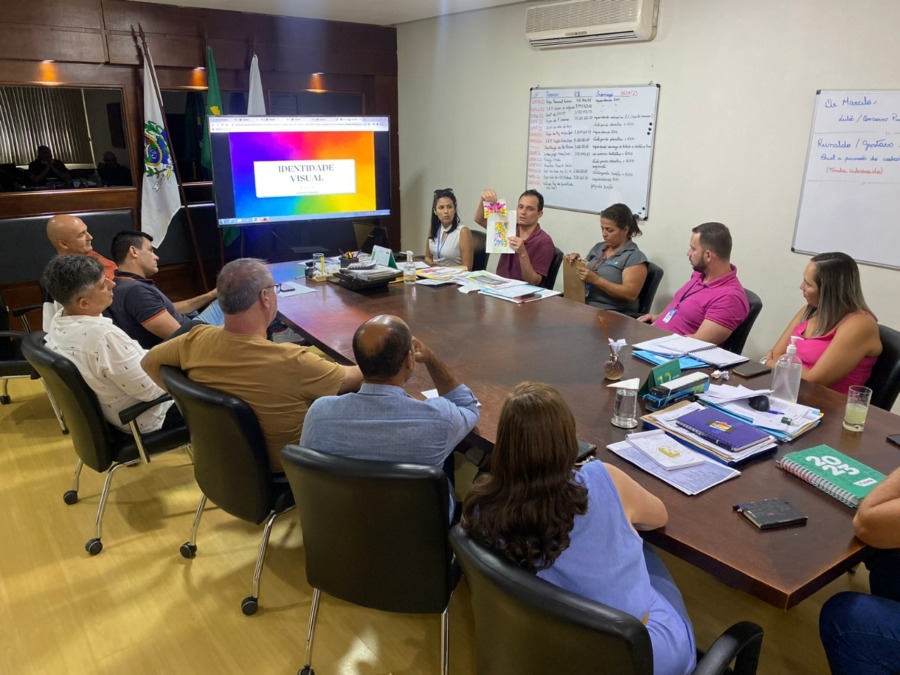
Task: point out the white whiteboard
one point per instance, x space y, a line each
589 147
850 199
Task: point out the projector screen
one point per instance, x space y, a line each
282 169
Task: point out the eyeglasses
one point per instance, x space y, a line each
277 288
443 191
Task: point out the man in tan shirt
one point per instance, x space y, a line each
279 381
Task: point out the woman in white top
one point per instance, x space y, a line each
448 243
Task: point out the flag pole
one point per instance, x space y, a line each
148 63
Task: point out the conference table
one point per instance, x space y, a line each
492 345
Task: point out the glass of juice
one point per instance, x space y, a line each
858 398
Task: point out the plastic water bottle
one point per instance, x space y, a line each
788 371
409 269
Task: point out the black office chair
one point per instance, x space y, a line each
526 625
231 464
12 364
375 534
738 338
648 290
885 378
550 280
479 244
99 445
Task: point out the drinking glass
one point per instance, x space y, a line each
857 409
625 409
319 264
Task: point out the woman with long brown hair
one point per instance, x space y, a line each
577 530
840 335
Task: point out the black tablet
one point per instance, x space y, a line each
751 369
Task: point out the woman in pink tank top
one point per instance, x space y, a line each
840 335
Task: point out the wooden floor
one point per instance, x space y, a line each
139 607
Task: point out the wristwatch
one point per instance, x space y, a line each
763 360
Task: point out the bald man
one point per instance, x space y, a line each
382 422
69 235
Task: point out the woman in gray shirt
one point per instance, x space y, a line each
616 268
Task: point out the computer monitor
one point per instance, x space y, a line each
274 169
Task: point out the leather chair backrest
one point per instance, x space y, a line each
231 464
738 338
91 434
550 280
885 378
479 244
648 290
374 533
526 625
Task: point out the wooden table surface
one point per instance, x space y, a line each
492 345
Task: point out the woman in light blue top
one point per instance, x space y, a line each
449 243
577 530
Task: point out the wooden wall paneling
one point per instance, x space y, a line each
385 103
50 202
55 13
59 44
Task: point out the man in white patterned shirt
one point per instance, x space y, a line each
108 360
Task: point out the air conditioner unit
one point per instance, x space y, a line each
576 22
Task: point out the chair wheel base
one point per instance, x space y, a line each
94 546
306 670
70 497
5 400
249 605
188 550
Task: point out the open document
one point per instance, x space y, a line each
675 346
691 480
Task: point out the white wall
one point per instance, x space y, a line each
738 86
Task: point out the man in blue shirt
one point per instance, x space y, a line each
382 422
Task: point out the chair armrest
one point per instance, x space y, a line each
22 311
742 642
131 412
13 334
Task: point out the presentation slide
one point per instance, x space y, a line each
281 169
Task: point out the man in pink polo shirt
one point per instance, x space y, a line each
712 303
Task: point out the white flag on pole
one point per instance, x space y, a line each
160 200
256 103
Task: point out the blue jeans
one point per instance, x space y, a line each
861 634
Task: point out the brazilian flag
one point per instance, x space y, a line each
213 107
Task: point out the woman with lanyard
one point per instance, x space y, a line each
616 268
448 243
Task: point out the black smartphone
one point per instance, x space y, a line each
751 369
585 450
894 438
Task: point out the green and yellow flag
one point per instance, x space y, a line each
213 106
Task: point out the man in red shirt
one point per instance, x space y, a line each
533 247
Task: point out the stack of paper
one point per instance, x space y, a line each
667 420
519 294
675 346
436 276
691 480
784 420
377 273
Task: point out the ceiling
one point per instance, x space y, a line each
379 12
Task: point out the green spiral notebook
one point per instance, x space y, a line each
833 472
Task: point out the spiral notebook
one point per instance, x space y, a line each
833 472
